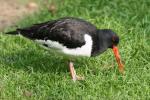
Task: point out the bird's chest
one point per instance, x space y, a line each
84 50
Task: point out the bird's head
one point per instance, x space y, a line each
109 39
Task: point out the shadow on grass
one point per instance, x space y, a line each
40 60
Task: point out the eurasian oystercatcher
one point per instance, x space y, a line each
73 36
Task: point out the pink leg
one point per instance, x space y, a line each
73 73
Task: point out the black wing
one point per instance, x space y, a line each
67 31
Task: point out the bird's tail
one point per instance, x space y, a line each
13 32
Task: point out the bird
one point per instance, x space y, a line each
74 37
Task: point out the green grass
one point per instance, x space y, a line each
29 72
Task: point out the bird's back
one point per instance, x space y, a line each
75 25
68 31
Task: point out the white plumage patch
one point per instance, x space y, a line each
84 50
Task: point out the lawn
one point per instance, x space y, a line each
29 72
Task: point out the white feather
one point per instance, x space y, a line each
84 50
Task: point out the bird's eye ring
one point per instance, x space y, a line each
115 39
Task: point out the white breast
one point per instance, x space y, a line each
84 50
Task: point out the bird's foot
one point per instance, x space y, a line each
80 77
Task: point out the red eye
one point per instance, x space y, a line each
115 39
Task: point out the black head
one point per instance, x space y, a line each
106 38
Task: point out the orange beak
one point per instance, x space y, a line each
118 59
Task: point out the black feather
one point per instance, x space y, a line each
12 32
